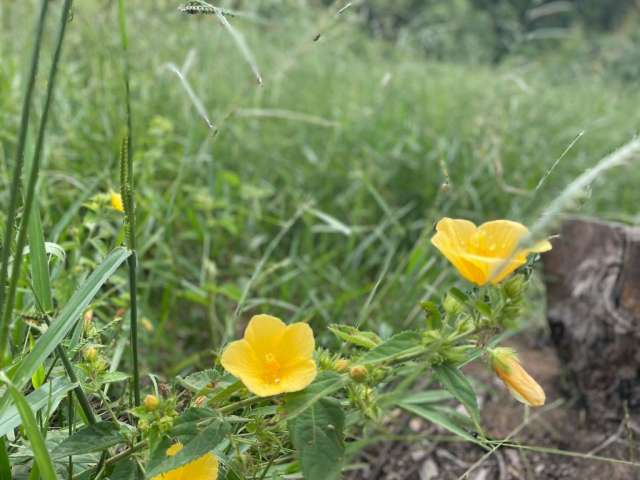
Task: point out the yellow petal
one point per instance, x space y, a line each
521 385
116 202
501 237
264 333
299 376
239 359
296 344
452 239
203 468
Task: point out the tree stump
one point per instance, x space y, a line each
592 276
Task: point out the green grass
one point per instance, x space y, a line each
321 210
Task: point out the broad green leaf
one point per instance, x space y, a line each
440 417
324 385
317 435
94 438
112 377
202 443
431 396
125 470
187 423
199 380
49 394
354 336
459 295
40 452
396 347
65 321
457 384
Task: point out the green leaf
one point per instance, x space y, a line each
199 380
440 417
317 435
187 423
49 394
434 319
395 347
39 262
65 321
455 382
354 336
40 452
324 385
38 378
202 443
459 295
5 464
112 377
431 396
94 438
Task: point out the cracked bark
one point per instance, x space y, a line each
593 309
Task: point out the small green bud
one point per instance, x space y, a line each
452 305
90 354
341 365
514 286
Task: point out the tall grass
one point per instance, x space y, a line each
364 134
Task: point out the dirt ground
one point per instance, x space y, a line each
560 424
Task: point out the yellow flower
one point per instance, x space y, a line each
272 357
116 202
203 468
485 254
521 385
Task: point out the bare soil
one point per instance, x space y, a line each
561 424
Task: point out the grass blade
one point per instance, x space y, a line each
15 181
40 452
67 318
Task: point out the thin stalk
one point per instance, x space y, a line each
80 395
70 414
35 170
17 174
128 196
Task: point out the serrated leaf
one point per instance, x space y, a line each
459 386
112 377
354 336
395 347
199 380
324 385
317 435
202 443
187 423
94 438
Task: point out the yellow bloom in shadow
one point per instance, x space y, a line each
272 357
116 202
203 468
522 386
485 254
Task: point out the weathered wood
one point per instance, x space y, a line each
593 294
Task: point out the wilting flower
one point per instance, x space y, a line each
116 202
485 254
203 468
525 389
272 357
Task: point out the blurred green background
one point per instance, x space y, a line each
313 196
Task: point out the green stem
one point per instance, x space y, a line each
15 181
128 194
239 404
81 396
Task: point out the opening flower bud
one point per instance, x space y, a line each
522 386
151 402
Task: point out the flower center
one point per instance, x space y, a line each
272 368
